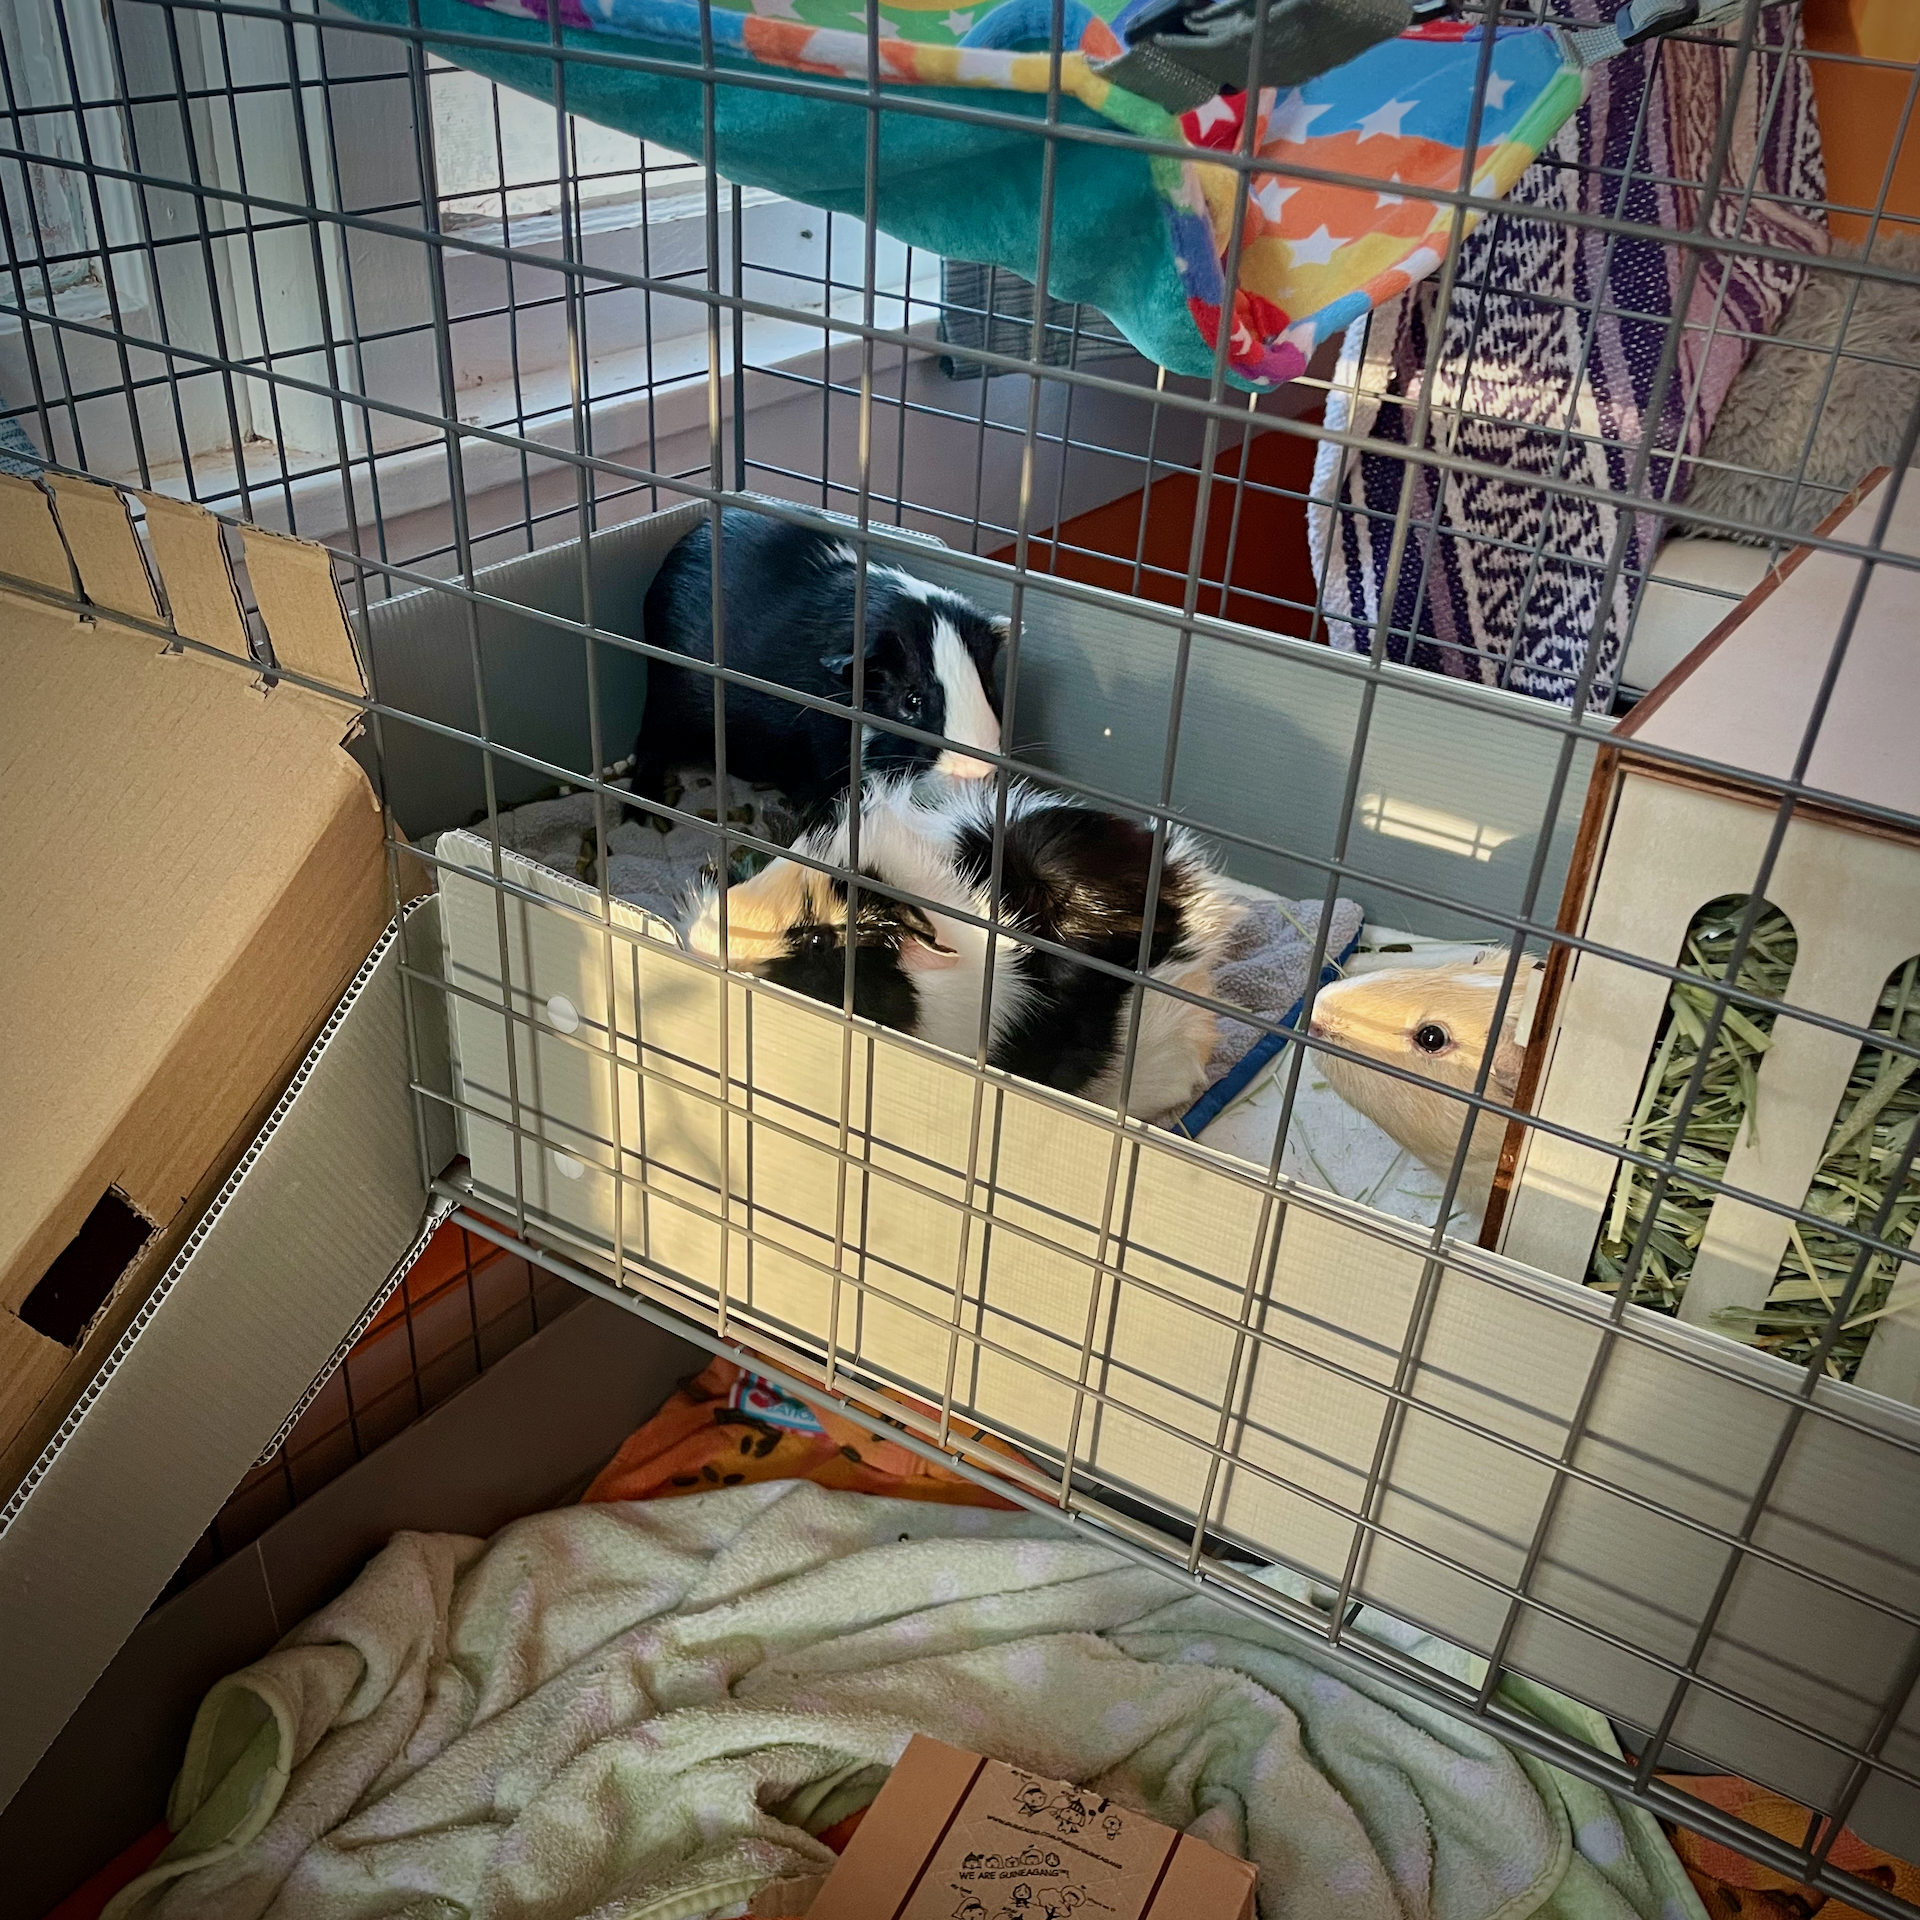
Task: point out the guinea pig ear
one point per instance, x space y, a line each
1508 1058
921 947
840 660
880 645
1001 623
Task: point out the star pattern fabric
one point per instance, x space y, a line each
1271 197
1386 119
1292 120
1317 253
1317 249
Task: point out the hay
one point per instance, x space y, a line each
1725 1095
1867 1143
1866 1148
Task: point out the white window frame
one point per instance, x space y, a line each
55 199
54 212
654 388
92 362
784 242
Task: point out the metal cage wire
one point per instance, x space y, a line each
308 271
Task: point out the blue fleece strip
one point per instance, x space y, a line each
1240 1075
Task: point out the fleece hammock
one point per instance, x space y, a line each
1144 238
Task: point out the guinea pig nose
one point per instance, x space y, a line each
961 767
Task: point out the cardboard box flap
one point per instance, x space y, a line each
29 538
1201 1879
190 549
105 549
299 599
205 871
876 1874
230 1336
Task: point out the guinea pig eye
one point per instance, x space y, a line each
911 708
1432 1038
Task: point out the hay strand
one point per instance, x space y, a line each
1868 1144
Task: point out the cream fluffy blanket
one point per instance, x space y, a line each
648 1710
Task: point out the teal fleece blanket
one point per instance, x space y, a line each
964 192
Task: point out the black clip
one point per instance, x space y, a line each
1644 19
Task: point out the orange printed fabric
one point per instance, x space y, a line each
1732 1887
727 1427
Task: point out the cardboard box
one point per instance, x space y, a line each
327 1199
954 1836
193 868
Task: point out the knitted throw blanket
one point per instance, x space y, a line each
1549 367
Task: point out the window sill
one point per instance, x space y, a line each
87 301
542 231
643 399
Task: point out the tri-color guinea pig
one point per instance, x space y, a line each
1435 1022
788 595
1067 874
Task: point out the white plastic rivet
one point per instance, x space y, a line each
567 1167
562 1015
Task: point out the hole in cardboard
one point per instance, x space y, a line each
76 1286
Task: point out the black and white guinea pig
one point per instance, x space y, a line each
790 620
1068 874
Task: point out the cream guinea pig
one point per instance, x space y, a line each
1434 1022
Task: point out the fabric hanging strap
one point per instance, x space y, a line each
1644 20
1180 55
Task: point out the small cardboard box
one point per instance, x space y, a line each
193 870
954 1836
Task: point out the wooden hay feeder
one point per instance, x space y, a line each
1666 864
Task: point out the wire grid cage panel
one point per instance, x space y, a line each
524 624
992 1278
991 1296
1667 1477
435 657
970 1235
1473 1516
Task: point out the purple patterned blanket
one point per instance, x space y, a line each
1548 367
